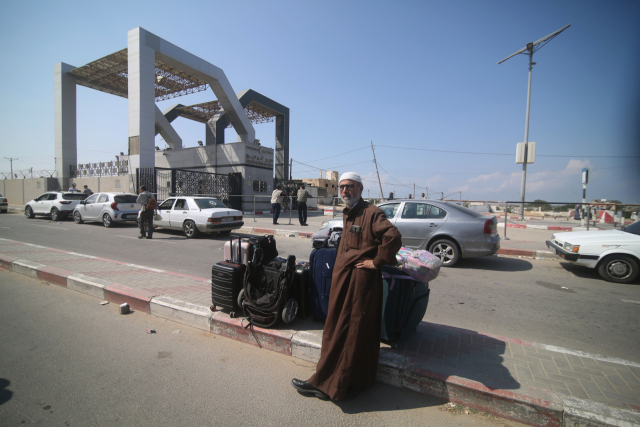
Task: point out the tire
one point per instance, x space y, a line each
240 298
107 221
190 230
28 212
447 251
290 311
55 214
619 269
77 217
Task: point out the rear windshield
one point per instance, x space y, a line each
209 203
74 196
465 210
633 228
125 198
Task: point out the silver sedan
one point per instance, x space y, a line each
445 229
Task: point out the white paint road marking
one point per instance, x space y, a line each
142 267
632 302
155 240
55 228
589 355
83 255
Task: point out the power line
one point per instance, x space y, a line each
337 155
503 154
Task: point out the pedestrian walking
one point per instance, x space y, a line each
87 191
351 337
73 188
276 203
147 210
303 195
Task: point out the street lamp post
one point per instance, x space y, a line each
529 49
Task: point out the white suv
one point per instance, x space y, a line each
57 204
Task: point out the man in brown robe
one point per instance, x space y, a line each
351 338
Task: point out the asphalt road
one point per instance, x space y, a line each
69 361
550 302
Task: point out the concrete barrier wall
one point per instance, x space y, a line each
104 183
20 191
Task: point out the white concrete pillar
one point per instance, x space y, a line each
141 101
66 152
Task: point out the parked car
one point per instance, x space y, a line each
195 215
4 204
614 253
56 204
445 229
108 208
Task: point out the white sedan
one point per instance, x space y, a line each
195 215
614 253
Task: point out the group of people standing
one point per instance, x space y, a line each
86 190
278 197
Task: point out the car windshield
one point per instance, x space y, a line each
209 203
633 228
74 196
125 198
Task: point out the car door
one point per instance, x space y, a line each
163 213
100 206
416 224
36 206
87 210
47 202
179 213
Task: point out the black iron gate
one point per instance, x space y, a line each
165 182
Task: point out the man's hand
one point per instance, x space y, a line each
366 264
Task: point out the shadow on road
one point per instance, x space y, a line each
383 397
492 263
5 395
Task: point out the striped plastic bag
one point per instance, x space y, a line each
422 265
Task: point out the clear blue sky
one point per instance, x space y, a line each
409 76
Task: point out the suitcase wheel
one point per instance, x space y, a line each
290 311
241 298
232 314
212 308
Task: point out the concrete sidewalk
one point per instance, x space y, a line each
523 381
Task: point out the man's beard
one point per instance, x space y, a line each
350 201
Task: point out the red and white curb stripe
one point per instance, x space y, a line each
529 405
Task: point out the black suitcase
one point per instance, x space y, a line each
301 288
227 280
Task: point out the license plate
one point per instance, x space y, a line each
553 249
227 218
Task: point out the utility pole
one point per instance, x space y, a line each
378 173
529 49
11 159
427 188
414 190
290 169
32 172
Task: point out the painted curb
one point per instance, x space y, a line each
580 413
535 407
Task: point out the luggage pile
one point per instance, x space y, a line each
253 281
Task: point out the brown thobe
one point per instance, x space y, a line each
351 338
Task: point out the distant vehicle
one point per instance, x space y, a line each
445 229
4 204
109 208
56 204
614 253
195 215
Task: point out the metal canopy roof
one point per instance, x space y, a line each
205 111
110 75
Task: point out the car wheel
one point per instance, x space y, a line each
107 221
190 230
447 251
290 311
77 217
55 214
28 212
618 269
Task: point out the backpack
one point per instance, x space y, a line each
151 204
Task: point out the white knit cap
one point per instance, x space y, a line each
352 176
